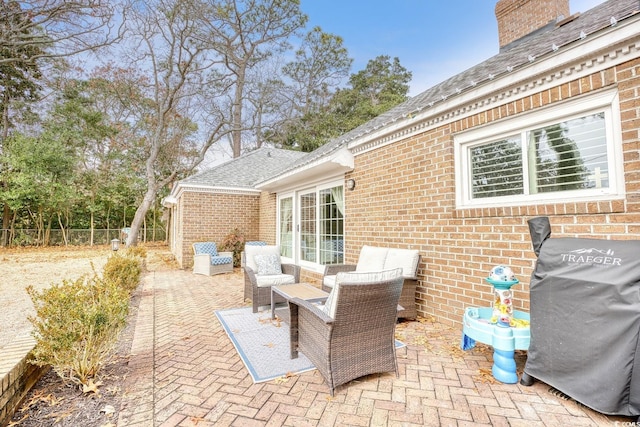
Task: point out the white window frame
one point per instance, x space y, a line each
604 102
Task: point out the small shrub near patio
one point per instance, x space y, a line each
76 326
77 323
137 251
233 242
125 270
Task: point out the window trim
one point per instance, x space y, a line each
605 101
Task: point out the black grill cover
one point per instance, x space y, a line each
585 319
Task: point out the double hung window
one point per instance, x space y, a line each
560 153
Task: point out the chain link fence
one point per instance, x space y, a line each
29 237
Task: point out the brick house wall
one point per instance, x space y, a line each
405 197
268 217
211 216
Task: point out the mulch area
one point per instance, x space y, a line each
51 402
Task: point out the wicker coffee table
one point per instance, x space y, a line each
284 293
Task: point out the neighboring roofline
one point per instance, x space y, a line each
179 188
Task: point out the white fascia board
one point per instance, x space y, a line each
333 164
201 188
169 201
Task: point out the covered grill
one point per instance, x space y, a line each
585 319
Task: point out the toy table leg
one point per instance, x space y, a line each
504 364
504 340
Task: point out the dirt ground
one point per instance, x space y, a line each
51 402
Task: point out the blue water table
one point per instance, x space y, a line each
501 327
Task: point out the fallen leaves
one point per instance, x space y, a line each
485 376
283 379
91 387
277 322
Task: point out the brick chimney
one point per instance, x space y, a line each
517 18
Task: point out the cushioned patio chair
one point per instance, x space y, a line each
263 269
250 243
207 260
353 334
378 259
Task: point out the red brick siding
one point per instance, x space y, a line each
405 197
211 216
268 217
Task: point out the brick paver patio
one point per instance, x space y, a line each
186 372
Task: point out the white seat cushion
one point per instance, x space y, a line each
406 259
371 259
264 281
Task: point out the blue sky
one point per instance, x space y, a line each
434 39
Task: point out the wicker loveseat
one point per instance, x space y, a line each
374 258
352 335
263 269
207 260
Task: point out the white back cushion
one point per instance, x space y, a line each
371 259
329 281
406 259
350 277
251 251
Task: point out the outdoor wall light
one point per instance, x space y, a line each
115 243
351 184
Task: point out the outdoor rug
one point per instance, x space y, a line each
263 343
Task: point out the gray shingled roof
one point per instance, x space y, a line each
516 55
246 170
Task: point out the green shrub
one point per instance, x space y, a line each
76 326
123 270
233 242
136 251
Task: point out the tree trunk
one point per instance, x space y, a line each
91 232
62 230
236 124
6 222
138 218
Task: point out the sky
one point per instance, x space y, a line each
434 39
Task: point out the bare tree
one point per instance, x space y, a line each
245 33
58 28
183 116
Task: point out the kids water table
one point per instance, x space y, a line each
504 340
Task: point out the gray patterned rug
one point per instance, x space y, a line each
263 344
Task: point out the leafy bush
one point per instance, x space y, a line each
77 325
137 251
124 270
233 242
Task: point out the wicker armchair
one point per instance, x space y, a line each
378 259
358 339
258 282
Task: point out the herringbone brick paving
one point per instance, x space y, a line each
186 372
